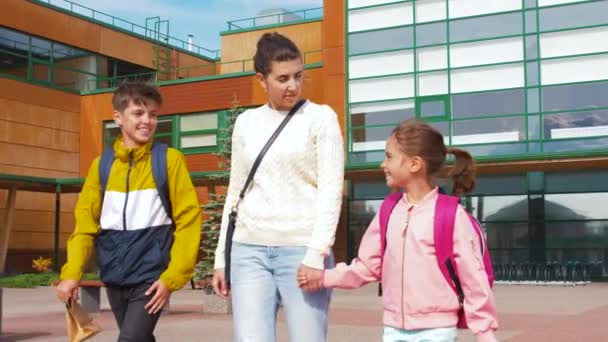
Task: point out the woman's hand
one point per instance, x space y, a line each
310 279
219 283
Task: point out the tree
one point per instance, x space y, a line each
213 210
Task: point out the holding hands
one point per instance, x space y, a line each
310 279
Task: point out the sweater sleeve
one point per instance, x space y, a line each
88 209
187 219
330 180
479 305
238 175
366 268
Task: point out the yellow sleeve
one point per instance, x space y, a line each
187 219
88 209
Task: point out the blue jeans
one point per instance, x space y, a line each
423 335
264 277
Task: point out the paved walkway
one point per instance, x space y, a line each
527 313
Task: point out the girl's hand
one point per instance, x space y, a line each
310 279
219 283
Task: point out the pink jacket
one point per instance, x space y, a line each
415 293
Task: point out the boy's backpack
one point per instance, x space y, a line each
445 215
159 172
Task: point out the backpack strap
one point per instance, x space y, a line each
386 209
159 172
445 216
105 165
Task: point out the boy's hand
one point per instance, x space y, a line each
161 296
219 283
310 279
67 288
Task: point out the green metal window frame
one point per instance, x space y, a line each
526 62
419 100
176 134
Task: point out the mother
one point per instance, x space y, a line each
288 216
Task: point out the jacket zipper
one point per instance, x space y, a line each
407 224
124 209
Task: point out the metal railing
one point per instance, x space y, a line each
275 19
552 273
125 25
245 65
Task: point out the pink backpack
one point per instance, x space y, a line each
445 214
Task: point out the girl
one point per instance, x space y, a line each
419 304
288 216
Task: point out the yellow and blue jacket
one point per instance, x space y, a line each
135 240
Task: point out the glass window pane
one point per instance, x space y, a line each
530 3
532 78
576 125
381 40
575 96
371 138
196 122
493 26
488 103
577 234
168 140
164 126
501 208
430 58
531 47
433 83
360 215
579 181
503 184
483 131
577 206
380 16
536 181
111 130
41 49
530 21
366 190
561 17
432 108
198 140
575 145
14 41
381 113
493 151
533 127
41 72
12 64
444 128
507 235
430 34
367 157
533 103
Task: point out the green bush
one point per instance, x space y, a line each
29 280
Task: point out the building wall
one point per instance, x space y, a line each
238 49
42 21
39 136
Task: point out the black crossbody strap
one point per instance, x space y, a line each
258 160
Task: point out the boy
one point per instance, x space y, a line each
143 252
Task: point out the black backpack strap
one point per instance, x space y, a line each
159 172
105 165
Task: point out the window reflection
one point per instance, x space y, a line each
576 206
486 27
575 96
381 40
430 34
554 18
488 103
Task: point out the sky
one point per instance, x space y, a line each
205 19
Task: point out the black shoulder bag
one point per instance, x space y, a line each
254 168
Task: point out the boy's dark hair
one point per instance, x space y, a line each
136 91
274 47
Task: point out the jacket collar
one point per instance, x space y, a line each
429 199
122 153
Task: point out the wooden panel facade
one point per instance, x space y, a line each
242 46
40 137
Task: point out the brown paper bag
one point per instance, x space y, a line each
81 325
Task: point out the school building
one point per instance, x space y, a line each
522 84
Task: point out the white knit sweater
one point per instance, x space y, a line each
296 194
